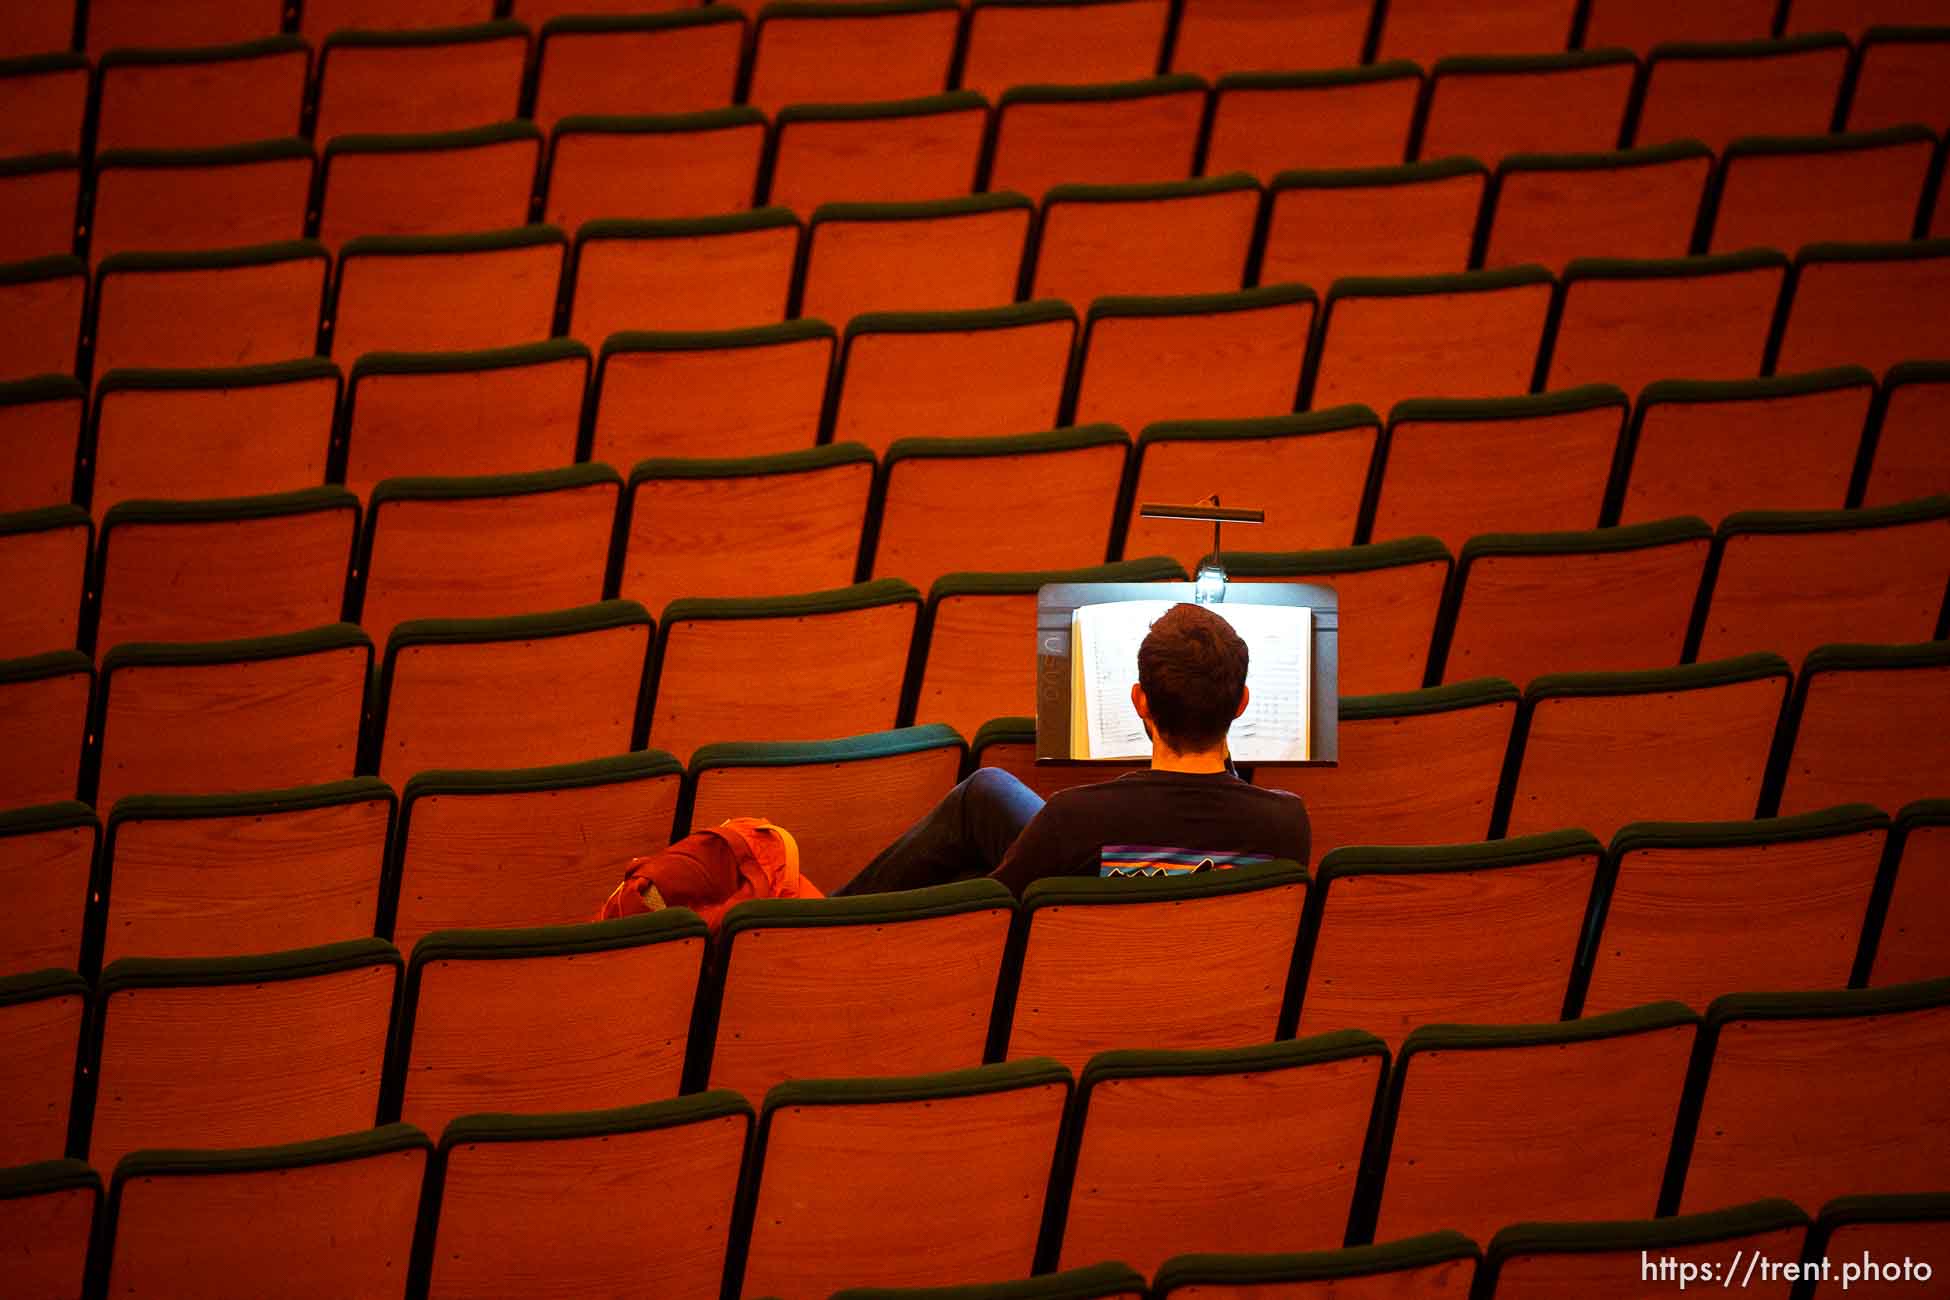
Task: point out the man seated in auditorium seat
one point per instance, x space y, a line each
1187 812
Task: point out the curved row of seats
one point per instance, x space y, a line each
1770 1094
703 59
1717 740
1542 204
1373 340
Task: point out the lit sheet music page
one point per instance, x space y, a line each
1103 652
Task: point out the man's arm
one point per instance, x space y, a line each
1045 848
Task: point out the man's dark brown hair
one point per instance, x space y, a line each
1192 666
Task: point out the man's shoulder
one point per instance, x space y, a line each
1145 784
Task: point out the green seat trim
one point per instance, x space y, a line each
254 49
65 815
1412 286
1470 410
1314 1266
31 164
1923 995
467 34
978 1081
1293 1053
1643 1234
599 617
44 519
1911 372
133 379
1361 178
1672 268
449 363
1887 1207
35 668
616 769
755 336
850 8
59 266
1741 390
287 645
1650 681
1895 515
1915 250
849 749
1897 32
1614 1024
1015 316
1332 419
485 241
1008 444
1492 65
1154 568
1922 812
730 223
40 388
1400 553
839 600
922 209
429 141
234 155
40 985
1002 731
46 1176
953 101
1420 859
1842 657
794 753
1109 1278
1178 83
1200 304
666 925
569 478
1150 191
1085 891
51 61
1828 823
1839 142
711 119
256 803
1624 537
216 259
1617 160
963 896
597 24
806 461
305 501
1321 79
568 1125
388 1139
1474 693
206 972
1761 48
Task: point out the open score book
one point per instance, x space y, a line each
1103 663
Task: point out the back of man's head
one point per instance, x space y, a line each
1192 666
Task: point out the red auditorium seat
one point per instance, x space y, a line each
43 101
1123 133
1413 219
1069 42
847 53
1265 122
449 183
440 79
1784 192
1632 203
122 24
1427 30
1487 106
877 153
753 392
40 197
628 63
1717 93
1900 77
928 255
181 201
202 98
1640 25
650 168
694 273
1216 37
40 438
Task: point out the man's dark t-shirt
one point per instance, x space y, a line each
1154 822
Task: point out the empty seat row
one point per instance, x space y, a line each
1190 373
1443 215
1495 1122
1374 340
169 1214
702 59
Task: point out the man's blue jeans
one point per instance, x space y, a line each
966 834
